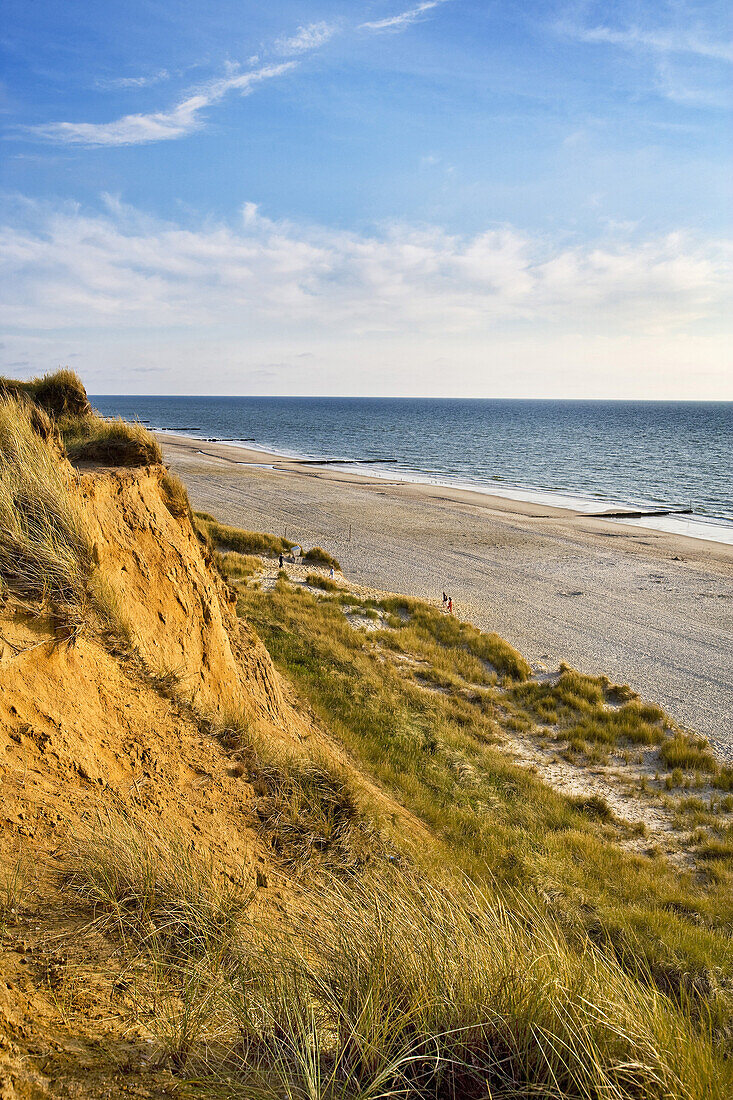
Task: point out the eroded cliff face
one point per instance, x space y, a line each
81 716
87 729
178 609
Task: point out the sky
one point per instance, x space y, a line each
472 198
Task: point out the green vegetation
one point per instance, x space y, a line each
499 823
583 707
510 946
315 580
237 567
379 986
223 537
689 753
429 633
318 556
243 542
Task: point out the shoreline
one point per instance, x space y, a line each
647 608
537 503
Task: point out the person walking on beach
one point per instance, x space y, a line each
280 560
450 605
445 600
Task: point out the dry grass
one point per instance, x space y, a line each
45 551
378 987
87 436
436 751
306 808
90 438
61 393
151 888
243 542
318 556
175 496
16 888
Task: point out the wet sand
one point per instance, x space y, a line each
645 607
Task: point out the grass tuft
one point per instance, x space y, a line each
315 580
61 393
243 542
45 550
175 496
91 438
318 556
688 753
151 887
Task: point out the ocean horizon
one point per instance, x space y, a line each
579 454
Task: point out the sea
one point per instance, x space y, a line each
589 456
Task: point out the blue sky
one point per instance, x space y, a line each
374 196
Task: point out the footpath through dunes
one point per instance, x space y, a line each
643 607
247 849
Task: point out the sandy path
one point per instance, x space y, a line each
645 607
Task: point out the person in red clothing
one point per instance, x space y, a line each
450 605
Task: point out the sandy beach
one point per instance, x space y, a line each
645 607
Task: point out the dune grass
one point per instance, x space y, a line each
306 808
224 537
175 496
60 393
688 753
318 556
87 437
238 567
91 438
428 624
437 752
315 580
377 986
45 550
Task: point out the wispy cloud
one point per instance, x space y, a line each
186 115
403 19
135 81
306 38
659 41
182 119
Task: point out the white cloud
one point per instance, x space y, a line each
182 119
659 40
135 81
306 38
404 19
124 270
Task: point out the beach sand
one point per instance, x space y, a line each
645 607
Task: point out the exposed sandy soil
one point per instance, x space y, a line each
93 725
643 607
